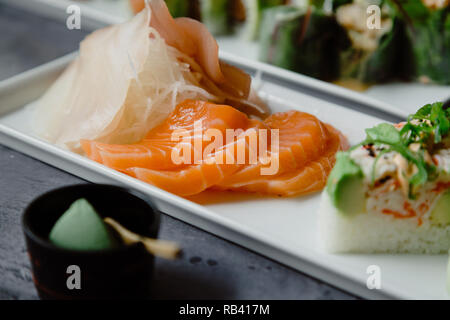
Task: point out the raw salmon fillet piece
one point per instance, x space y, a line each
302 138
155 151
305 152
192 179
302 180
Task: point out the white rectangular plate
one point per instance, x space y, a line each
283 229
399 99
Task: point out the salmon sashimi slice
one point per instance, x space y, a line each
196 178
303 180
302 133
155 154
212 115
156 150
305 152
308 179
302 138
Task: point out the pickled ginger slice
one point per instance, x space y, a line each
231 85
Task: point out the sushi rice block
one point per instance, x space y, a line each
391 193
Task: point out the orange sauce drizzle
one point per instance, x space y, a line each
441 186
410 211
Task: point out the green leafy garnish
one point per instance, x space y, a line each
432 122
385 133
388 135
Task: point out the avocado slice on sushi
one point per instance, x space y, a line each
441 211
345 186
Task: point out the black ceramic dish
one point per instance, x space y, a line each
123 272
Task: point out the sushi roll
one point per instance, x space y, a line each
303 39
216 15
221 17
391 193
427 51
230 16
183 8
254 10
372 56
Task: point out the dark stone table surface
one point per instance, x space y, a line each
211 268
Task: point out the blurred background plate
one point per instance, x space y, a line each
399 99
